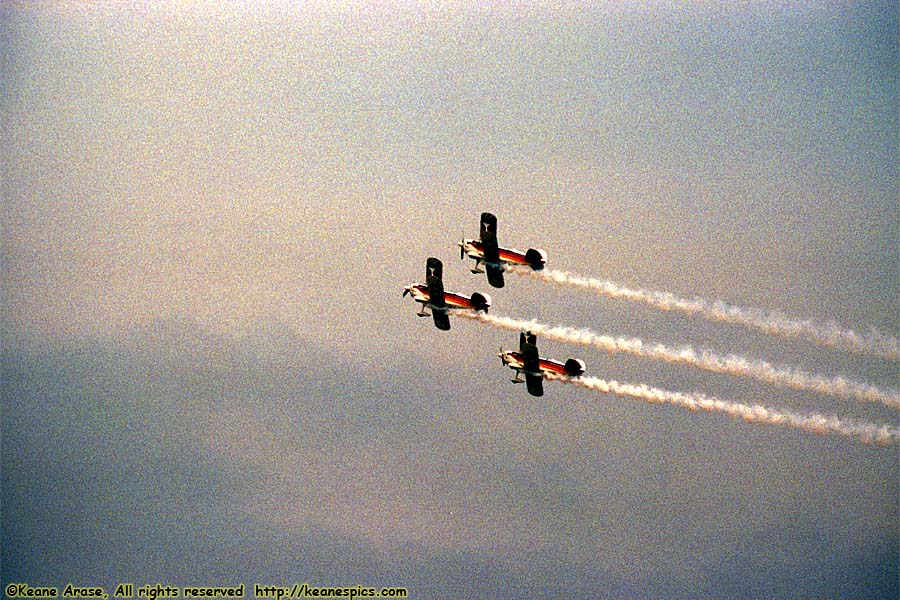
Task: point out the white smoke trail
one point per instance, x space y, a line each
867 433
731 365
826 334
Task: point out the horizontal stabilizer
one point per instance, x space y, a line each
481 301
574 367
536 258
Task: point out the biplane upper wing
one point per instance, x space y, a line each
434 271
491 250
531 363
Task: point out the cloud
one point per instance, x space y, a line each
178 442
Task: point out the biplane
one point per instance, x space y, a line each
485 251
528 361
432 296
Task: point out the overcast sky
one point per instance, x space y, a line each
210 376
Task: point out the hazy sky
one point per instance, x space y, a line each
210 376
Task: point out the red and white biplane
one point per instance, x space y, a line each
485 251
432 295
527 361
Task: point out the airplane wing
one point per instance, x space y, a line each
491 250
434 270
531 363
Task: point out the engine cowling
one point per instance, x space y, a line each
574 367
536 258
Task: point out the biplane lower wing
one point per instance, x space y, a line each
494 275
441 319
434 271
535 384
491 250
531 362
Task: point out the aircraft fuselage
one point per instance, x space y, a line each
420 293
475 249
514 360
